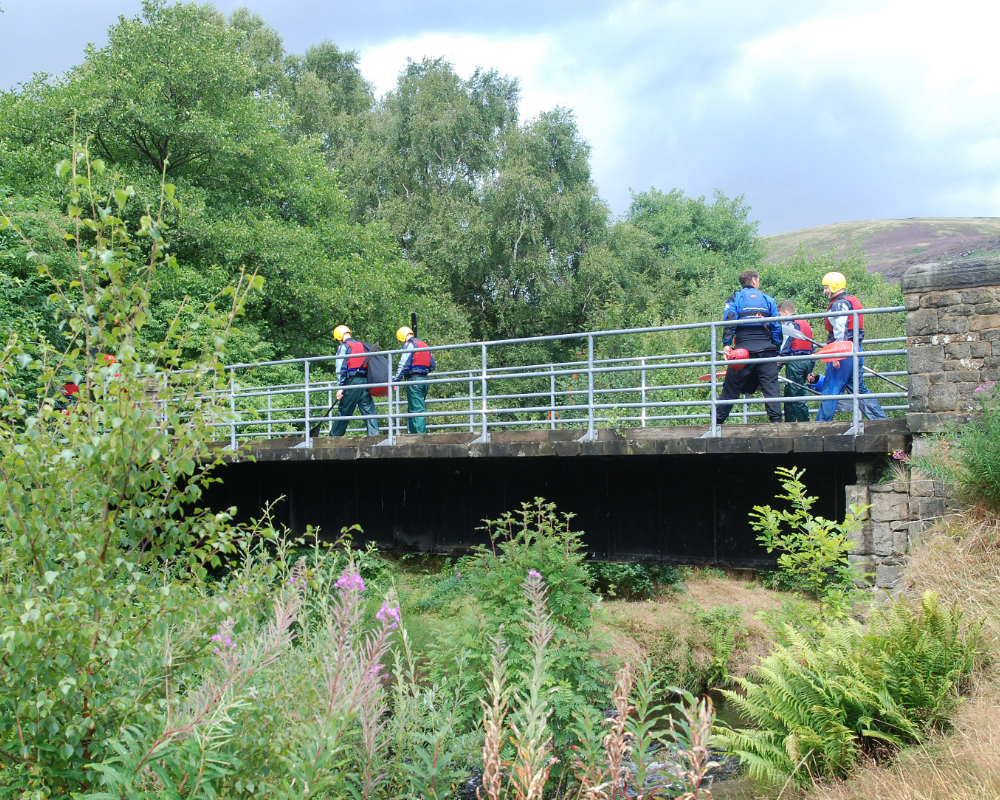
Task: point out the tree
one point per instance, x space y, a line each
500 213
181 92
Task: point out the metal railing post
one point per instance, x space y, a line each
308 439
472 401
590 386
643 362
485 435
392 435
552 398
714 429
269 415
232 409
855 365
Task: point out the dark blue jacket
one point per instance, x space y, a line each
748 303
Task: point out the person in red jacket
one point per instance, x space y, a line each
796 371
415 365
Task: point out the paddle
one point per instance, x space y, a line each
797 334
315 429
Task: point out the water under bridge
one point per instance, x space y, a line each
617 429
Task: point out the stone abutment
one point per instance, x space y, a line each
953 349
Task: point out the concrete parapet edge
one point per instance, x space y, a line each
944 275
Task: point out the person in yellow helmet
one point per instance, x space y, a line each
415 364
352 370
839 375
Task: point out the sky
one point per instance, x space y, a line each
816 112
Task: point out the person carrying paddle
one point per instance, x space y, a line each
840 372
761 340
352 370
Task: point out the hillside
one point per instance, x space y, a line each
893 245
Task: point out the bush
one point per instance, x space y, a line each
817 706
631 581
968 456
104 612
537 539
814 549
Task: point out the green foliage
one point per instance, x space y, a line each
967 456
727 635
538 538
925 656
632 581
105 548
500 213
816 706
213 105
699 658
813 549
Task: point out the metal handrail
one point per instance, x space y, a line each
586 392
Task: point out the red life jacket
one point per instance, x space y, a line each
802 344
421 357
355 362
855 304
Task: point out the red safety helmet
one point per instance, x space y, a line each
739 354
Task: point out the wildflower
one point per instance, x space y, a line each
350 580
388 615
534 573
899 455
223 640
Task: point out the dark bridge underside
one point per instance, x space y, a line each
636 497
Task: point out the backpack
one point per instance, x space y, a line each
378 371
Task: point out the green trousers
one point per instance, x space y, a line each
797 371
355 399
416 403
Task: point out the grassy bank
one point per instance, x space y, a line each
698 627
961 564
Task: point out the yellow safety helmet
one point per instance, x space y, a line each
340 332
402 333
836 281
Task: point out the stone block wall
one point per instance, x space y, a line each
953 348
899 511
953 337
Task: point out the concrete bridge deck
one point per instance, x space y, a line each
880 436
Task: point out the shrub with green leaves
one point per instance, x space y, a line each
967 457
105 548
631 581
813 549
538 538
816 706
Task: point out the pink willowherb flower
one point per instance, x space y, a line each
388 614
223 640
899 455
350 580
534 573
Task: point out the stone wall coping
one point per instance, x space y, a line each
943 275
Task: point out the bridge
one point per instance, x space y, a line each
617 427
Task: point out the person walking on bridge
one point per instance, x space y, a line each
797 372
352 371
760 340
415 364
840 373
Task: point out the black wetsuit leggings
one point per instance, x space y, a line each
748 380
